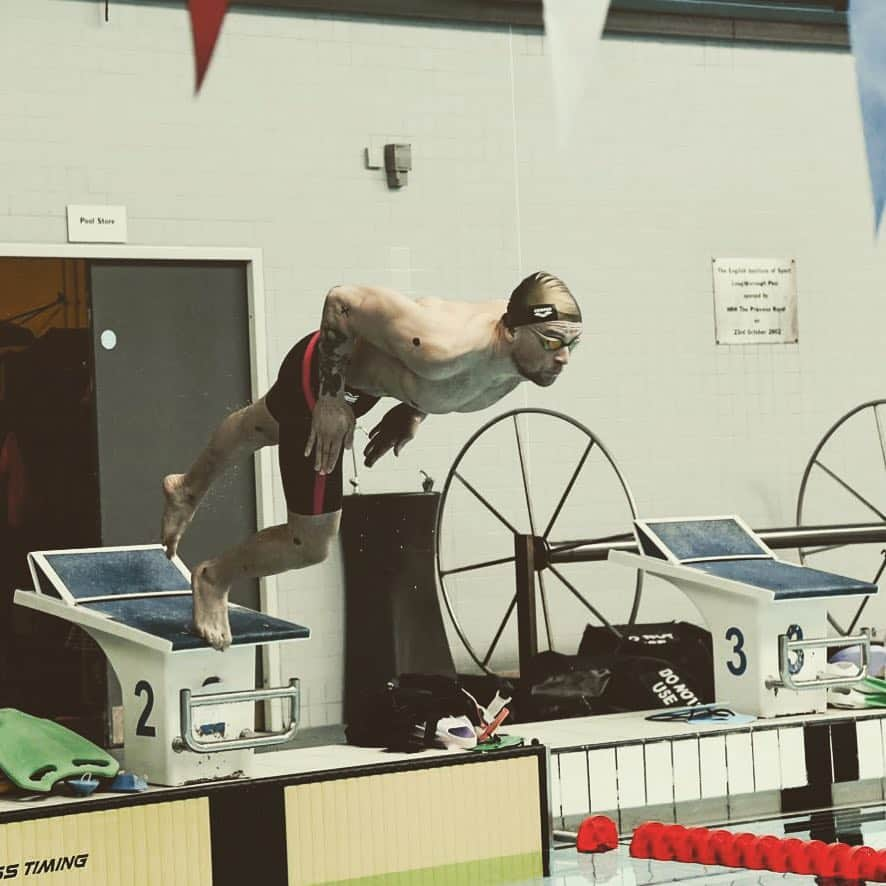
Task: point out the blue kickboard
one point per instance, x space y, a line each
785 580
109 573
171 618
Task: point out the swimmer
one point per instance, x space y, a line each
431 355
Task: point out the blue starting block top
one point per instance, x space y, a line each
787 580
170 619
83 576
138 589
726 548
689 540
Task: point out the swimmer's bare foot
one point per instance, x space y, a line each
210 609
179 509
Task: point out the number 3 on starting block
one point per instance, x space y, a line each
740 664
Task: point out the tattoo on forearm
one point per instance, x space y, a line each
334 351
332 362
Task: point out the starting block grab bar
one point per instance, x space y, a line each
187 703
789 681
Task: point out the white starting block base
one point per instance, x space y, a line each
767 617
136 605
152 681
745 646
745 628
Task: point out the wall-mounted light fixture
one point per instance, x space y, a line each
398 163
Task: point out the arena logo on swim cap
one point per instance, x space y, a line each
539 314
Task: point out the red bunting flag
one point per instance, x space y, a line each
206 21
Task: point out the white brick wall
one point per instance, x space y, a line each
684 151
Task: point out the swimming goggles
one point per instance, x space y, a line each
688 715
554 344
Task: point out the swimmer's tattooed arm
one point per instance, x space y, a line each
335 345
332 419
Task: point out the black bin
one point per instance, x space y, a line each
393 620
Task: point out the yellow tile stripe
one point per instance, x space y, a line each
415 820
475 873
145 845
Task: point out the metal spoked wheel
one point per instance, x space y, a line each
845 482
540 473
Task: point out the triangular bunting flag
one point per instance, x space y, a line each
206 21
572 32
867 33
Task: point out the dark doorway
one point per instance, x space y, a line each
48 484
87 434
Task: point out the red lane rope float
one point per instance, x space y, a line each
673 842
597 834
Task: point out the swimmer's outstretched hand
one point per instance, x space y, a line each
332 428
394 431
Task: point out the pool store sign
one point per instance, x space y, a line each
755 301
97 224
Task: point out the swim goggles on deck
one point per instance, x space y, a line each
688 715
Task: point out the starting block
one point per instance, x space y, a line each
767 617
188 709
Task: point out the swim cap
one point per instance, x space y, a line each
540 298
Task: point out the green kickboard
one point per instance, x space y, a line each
36 753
